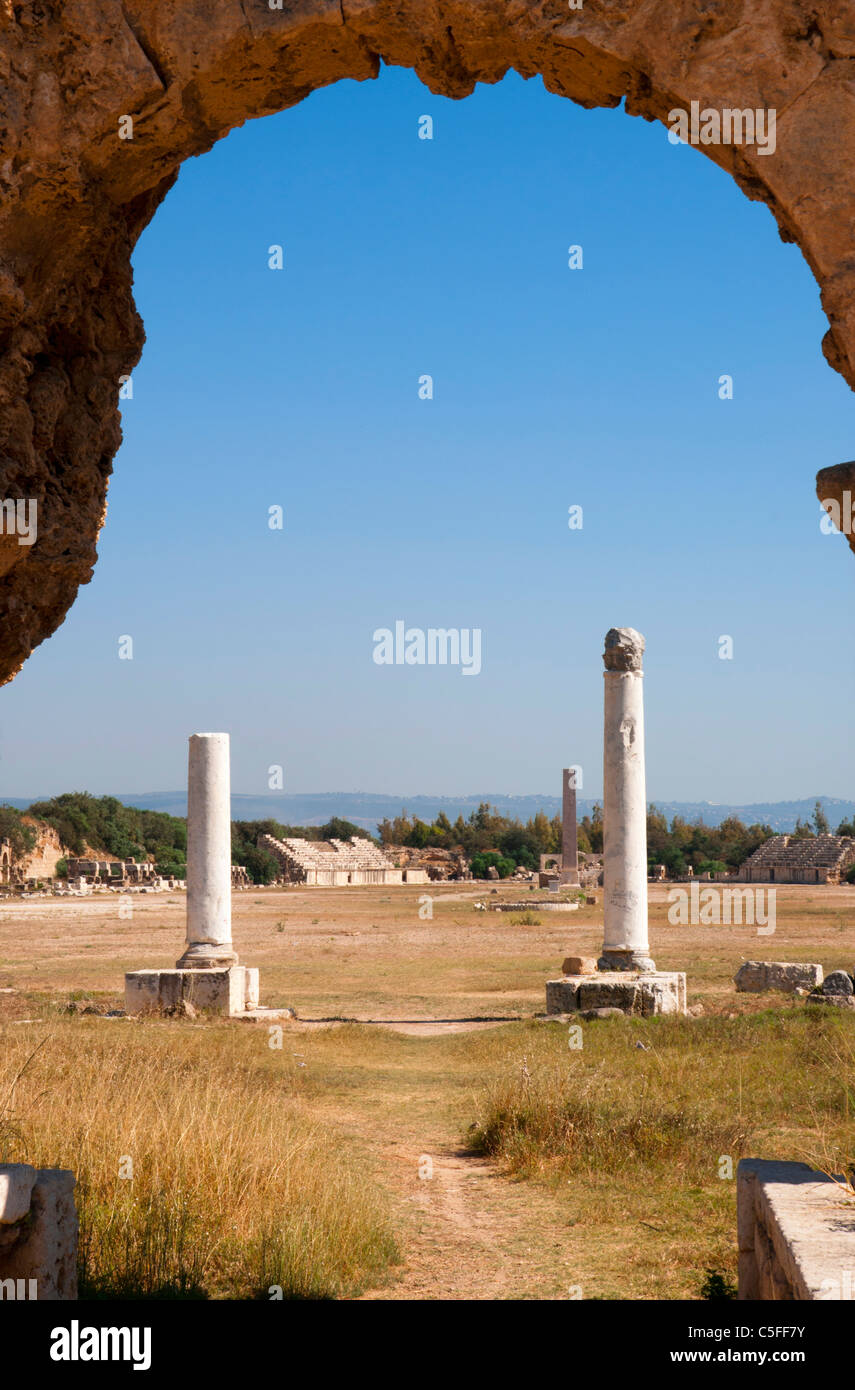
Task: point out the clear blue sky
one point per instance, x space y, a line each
553 387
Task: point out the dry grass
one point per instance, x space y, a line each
639 1136
234 1187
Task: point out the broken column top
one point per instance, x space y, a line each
624 649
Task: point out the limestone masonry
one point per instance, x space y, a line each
792 859
336 862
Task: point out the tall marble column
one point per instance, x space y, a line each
625 945
569 846
209 856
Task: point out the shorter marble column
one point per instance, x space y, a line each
209 856
569 843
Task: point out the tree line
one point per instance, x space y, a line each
485 838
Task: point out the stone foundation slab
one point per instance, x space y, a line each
756 976
796 1230
535 905
659 992
224 992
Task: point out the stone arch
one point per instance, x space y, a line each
74 196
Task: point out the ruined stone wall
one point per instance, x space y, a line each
41 861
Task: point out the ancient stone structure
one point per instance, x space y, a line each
35 865
336 863
625 944
569 847
802 859
100 104
438 865
6 869
796 1233
756 976
209 856
626 977
116 873
38 1233
208 975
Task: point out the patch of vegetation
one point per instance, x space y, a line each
525 919
484 831
717 1286
229 1187
104 823
21 837
480 863
636 1136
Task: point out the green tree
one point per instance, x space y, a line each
820 820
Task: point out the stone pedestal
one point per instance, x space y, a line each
225 992
659 992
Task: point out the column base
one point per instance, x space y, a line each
637 961
204 955
226 992
642 994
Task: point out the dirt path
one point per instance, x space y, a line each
466 1230
472 1234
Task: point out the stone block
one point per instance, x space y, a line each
17 1181
657 992
561 996
607 993
41 1255
838 982
796 1238
580 965
253 989
755 976
224 992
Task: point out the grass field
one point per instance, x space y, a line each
410 1158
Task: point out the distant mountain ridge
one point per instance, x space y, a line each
366 809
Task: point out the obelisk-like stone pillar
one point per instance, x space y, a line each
625 945
209 856
569 845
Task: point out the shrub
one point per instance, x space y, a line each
482 862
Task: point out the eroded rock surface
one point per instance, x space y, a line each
74 197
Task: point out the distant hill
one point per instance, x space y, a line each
366 809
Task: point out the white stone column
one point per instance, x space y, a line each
625 945
209 856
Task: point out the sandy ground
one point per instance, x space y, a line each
364 953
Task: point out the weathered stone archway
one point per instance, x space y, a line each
74 197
